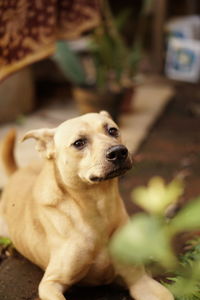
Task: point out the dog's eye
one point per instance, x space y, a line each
113 132
79 144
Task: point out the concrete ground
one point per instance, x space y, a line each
172 148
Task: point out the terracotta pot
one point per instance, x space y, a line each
89 100
128 98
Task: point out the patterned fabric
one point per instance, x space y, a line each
30 28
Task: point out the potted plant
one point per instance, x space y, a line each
114 63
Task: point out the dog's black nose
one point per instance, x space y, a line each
117 153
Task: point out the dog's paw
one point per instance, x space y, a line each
147 288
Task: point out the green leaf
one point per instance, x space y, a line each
143 239
103 48
5 241
188 218
185 285
70 63
185 288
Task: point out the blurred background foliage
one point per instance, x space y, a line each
148 237
115 59
103 73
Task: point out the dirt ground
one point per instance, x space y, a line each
171 149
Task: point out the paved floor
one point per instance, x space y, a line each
171 149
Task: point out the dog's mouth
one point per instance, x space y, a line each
112 174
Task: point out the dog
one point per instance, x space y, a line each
61 214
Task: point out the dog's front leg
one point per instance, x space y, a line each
49 290
68 264
141 286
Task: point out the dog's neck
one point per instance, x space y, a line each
82 193
94 204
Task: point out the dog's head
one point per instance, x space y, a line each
86 148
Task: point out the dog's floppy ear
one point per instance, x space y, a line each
44 141
105 114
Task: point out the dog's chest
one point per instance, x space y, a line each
95 230
89 230
101 270
97 219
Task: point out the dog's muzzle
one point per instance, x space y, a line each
117 154
119 163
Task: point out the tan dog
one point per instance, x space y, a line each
62 215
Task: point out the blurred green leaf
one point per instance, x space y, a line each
70 63
188 218
102 47
5 241
108 57
148 238
190 257
134 58
122 17
157 195
185 288
186 284
142 240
